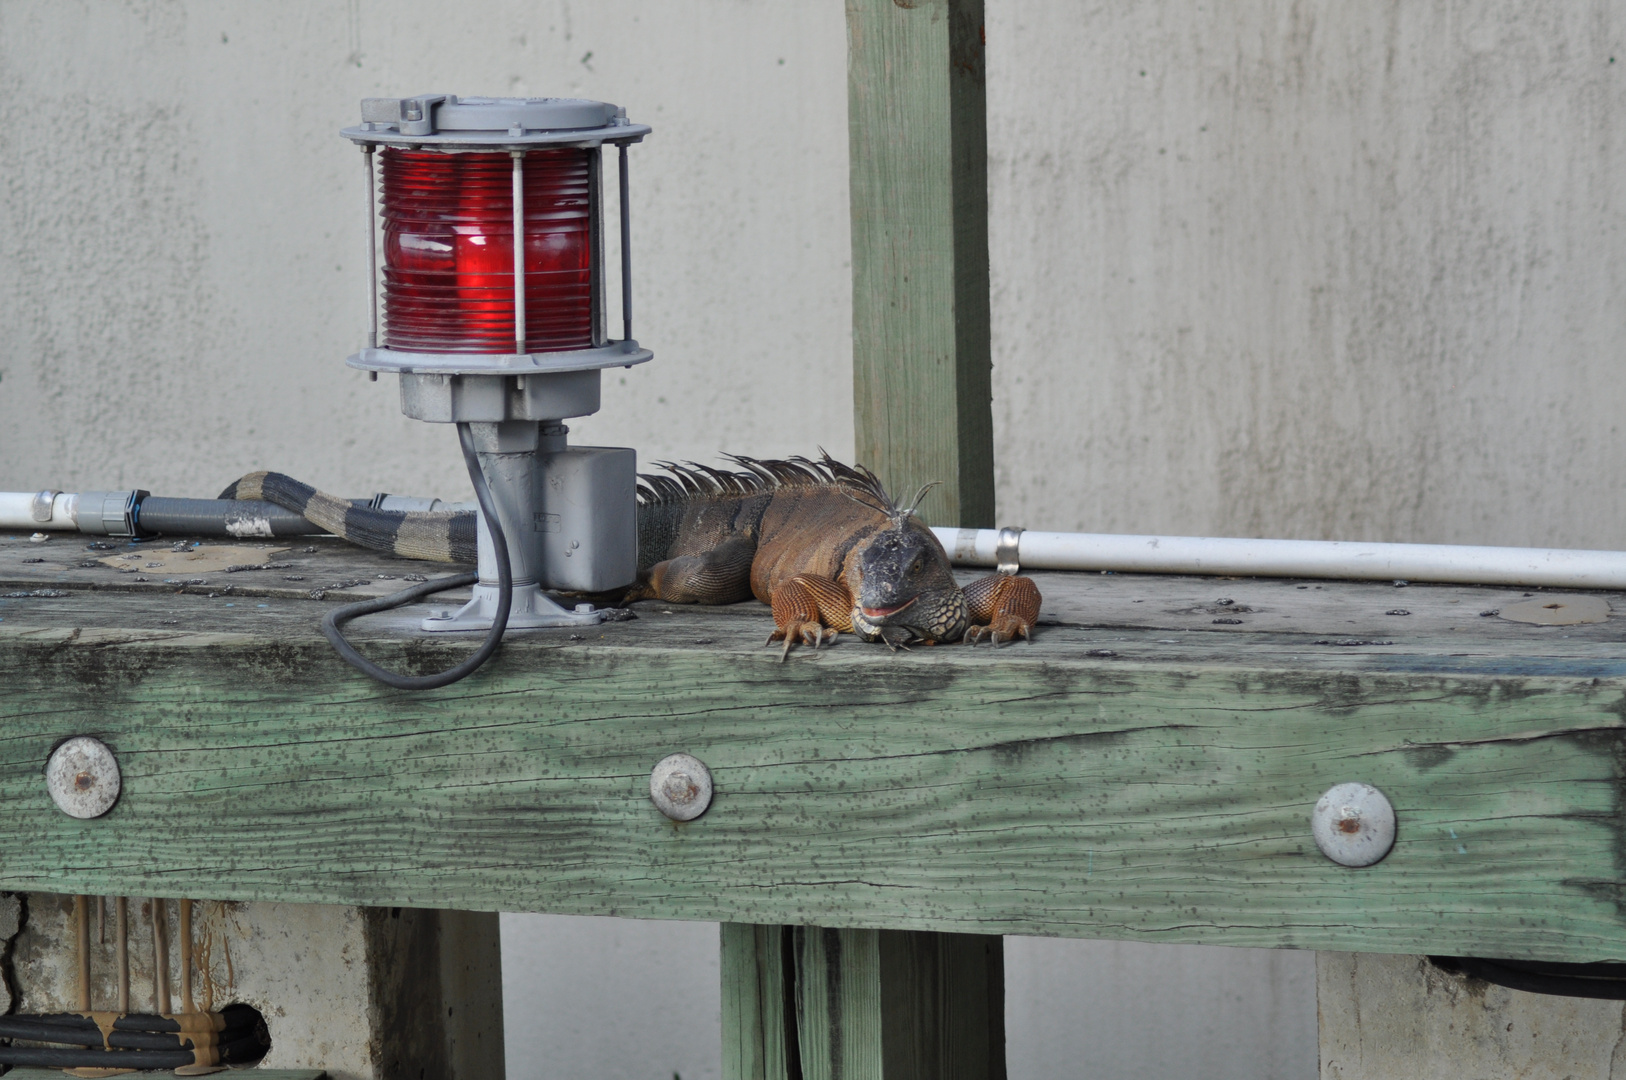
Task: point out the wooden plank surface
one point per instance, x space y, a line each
1141 771
919 189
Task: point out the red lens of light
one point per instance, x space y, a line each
449 251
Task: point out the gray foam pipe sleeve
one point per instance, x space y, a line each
220 517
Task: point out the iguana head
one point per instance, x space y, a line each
906 590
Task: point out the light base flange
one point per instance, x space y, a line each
531 609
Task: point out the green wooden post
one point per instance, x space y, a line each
759 1009
896 1004
917 134
817 1003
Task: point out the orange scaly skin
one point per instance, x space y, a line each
825 546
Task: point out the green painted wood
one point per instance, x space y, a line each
758 996
919 190
943 1006
1161 793
868 1005
838 1003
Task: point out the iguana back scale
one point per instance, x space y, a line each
825 545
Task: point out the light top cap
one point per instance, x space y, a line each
447 119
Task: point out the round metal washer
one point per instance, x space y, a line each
680 786
83 777
1353 824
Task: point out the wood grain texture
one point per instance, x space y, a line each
839 996
888 1005
942 1006
1137 772
919 190
758 1014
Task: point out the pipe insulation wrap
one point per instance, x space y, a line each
220 517
1451 563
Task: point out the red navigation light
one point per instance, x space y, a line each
449 250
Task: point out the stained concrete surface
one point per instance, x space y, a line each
302 966
366 994
1400 1018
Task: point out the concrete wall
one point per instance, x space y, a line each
1401 1018
1340 271
182 230
1275 268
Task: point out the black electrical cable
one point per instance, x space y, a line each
499 623
22 1027
236 1015
1604 981
133 1032
239 1051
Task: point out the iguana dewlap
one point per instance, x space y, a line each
821 542
826 546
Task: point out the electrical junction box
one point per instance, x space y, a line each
586 518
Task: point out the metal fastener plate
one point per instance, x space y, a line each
680 786
1008 551
1353 824
83 777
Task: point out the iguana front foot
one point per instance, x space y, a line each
804 607
1002 608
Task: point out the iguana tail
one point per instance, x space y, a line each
439 537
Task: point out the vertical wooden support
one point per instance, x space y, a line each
839 1001
917 131
813 1003
944 1009
759 1007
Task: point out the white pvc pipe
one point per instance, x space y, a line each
1456 563
17 511
1461 564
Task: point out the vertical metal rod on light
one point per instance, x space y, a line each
626 253
121 919
519 250
372 254
81 918
160 956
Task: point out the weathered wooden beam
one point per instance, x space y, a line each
1034 789
919 188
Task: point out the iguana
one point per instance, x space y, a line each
820 541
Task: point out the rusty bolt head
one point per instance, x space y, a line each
680 786
1353 824
83 777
